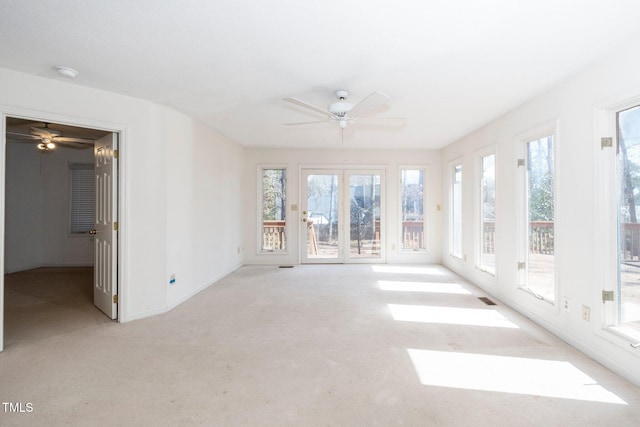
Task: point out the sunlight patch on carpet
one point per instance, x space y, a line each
431 287
537 377
450 315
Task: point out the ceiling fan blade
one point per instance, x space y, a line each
64 139
76 145
309 106
16 135
369 104
306 123
44 132
383 121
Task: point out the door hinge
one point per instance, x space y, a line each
115 299
115 226
115 154
520 162
521 266
606 142
607 296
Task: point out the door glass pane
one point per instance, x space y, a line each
322 216
412 237
274 209
364 216
628 215
488 213
540 217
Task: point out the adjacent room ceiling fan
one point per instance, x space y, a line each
49 138
344 112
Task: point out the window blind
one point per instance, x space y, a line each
83 198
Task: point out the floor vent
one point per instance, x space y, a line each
486 301
286 266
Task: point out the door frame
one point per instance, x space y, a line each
345 171
118 128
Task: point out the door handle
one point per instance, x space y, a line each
93 232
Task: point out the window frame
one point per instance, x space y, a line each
453 164
605 314
425 239
260 219
478 211
522 235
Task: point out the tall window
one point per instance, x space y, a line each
487 259
539 265
628 189
274 209
412 205
82 213
456 212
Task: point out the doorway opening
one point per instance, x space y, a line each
60 226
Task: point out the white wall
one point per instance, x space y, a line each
204 207
37 209
389 160
572 105
161 151
23 208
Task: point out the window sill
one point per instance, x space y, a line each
620 338
272 252
491 273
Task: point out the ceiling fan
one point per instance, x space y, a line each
49 138
344 112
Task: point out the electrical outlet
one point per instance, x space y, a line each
172 279
586 313
566 304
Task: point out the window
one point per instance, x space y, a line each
487 214
456 212
412 209
539 255
82 213
273 209
627 308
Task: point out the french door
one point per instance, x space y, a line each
342 216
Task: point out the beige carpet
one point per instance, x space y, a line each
352 345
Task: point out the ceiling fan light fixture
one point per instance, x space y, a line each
340 108
51 145
66 71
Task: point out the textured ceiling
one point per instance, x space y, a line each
448 66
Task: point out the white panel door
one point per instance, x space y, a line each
105 288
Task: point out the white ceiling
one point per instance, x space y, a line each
449 66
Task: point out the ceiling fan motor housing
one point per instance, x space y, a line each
341 107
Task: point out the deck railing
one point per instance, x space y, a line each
630 251
273 235
413 235
541 237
